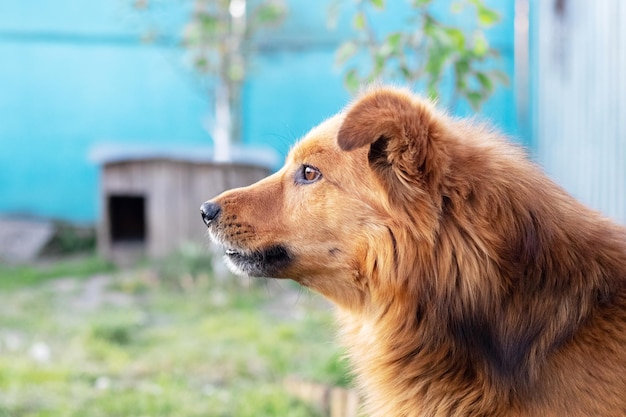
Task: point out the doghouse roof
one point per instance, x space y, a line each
112 153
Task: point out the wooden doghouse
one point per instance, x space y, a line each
150 204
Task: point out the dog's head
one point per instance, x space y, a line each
329 218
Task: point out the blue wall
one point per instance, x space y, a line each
74 74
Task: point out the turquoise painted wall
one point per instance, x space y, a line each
74 74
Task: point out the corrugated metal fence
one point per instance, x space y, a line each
579 58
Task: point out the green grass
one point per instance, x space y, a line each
139 346
17 276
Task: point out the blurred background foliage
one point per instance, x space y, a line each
220 41
424 51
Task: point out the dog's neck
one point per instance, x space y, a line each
436 341
389 353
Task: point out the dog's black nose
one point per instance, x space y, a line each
209 212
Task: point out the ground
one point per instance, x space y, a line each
147 342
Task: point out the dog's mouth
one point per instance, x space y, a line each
268 262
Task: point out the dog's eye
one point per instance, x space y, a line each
308 174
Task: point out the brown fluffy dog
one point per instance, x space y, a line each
467 283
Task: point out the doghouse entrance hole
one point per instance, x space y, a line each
127 219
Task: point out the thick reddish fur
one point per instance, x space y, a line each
467 283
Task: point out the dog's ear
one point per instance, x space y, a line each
380 113
401 132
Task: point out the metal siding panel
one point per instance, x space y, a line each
620 155
581 100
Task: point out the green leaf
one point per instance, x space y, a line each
406 72
481 46
437 33
430 26
461 84
379 4
346 51
202 64
485 81
475 99
379 65
487 17
457 38
359 21
436 59
352 81
391 46
461 67
269 13
208 23
394 40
